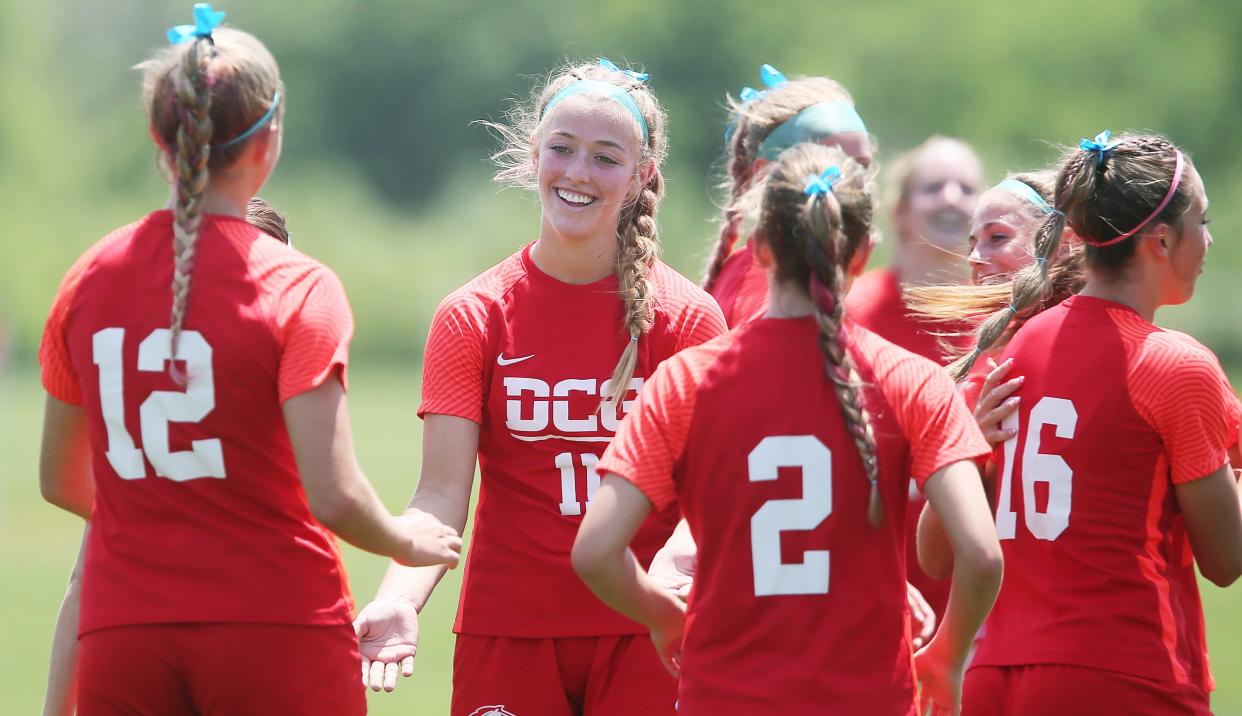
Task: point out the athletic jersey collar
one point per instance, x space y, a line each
607 283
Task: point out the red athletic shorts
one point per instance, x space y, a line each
220 670
1065 690
568 676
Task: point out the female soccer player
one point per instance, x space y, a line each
60 699
788 444
1002 242
203 430
763 124
1119 470
516 374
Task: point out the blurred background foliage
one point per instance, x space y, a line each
385 178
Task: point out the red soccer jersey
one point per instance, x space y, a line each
741 287
525 356
875 302
199 511
1114 412
799 605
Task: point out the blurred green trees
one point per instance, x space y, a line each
385 178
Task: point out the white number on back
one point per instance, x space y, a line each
205 458
1038 467
773 577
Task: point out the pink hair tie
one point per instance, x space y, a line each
1177 179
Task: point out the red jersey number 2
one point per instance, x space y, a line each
205 458
773 577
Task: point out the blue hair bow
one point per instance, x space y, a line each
206 19
771 76
822 184
636 76
1099 144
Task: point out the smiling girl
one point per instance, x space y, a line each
529 368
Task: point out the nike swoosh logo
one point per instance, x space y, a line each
501 360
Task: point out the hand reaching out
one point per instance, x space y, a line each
388 641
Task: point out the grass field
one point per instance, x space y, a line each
37 544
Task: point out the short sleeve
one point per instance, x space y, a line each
453 359
55 365
1186 398
933 416
653 435
316 335
703 321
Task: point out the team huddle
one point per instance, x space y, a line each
797 488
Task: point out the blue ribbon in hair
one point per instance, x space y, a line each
771 77
822 184
636 76
1100 144
206 19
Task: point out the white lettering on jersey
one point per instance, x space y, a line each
532 406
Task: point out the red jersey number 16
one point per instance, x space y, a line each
1038 467
205 458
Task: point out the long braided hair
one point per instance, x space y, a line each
813 240
198 95
637 232
1099 197
751 123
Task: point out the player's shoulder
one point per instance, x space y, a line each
475 297
676 293
111 249
688 367
1174 356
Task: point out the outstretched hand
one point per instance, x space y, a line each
388 641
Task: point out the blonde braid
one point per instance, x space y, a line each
638 248
1032 283
825 240
193 154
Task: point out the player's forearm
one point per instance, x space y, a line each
620 582
415 584
355 514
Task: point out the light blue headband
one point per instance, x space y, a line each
1025 191
615 92
267 117
815 122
